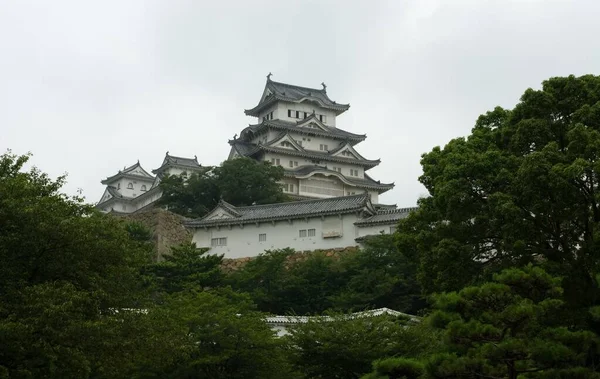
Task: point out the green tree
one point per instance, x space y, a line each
344 347
265 278
190 196
521 188
244 181
240 181
65 270
216 336
186 268
378 276
511 328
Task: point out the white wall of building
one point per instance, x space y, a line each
308 107
375 230
244 241
122 185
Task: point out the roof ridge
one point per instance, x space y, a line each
364 194
177 157
296 86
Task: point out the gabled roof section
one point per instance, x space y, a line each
242 148
287 140
305 172
347 147
179 162
223 211
322 130
386 216
289 211
312 121
321 156
135 171
276 91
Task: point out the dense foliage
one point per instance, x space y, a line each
240 181
505 246
522 188
375 277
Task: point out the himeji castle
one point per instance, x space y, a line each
336 202
297 130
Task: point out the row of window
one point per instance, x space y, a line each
302 233
222 241
262 237
130 186
288 187
300 114
268 117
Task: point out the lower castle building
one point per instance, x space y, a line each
305 225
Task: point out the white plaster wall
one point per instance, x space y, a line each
374 230
307 107
137 186
374 197
243 242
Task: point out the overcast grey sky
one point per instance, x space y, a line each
89 87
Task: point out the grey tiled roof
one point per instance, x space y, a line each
336 133
286 211
386 216
173 161
128 172
248 149
281 320
296 94
367 182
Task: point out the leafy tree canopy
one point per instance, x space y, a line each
510 327
240 181
521 188
341 347
65 269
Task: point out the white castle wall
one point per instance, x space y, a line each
244 241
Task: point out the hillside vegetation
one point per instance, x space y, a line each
501 260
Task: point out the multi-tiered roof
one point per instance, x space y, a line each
278 136
275 91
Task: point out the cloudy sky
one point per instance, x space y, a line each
89 87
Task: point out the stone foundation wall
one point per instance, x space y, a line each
230 265
167 228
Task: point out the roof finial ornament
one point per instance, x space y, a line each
324 86
269 76
167 152
235 136
195 158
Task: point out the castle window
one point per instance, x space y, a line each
262 237
130 186
353 172
218 241
305 115
289 113
311 232
297 114
143 187
323 147
302 233
321 117
118 185
291 188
